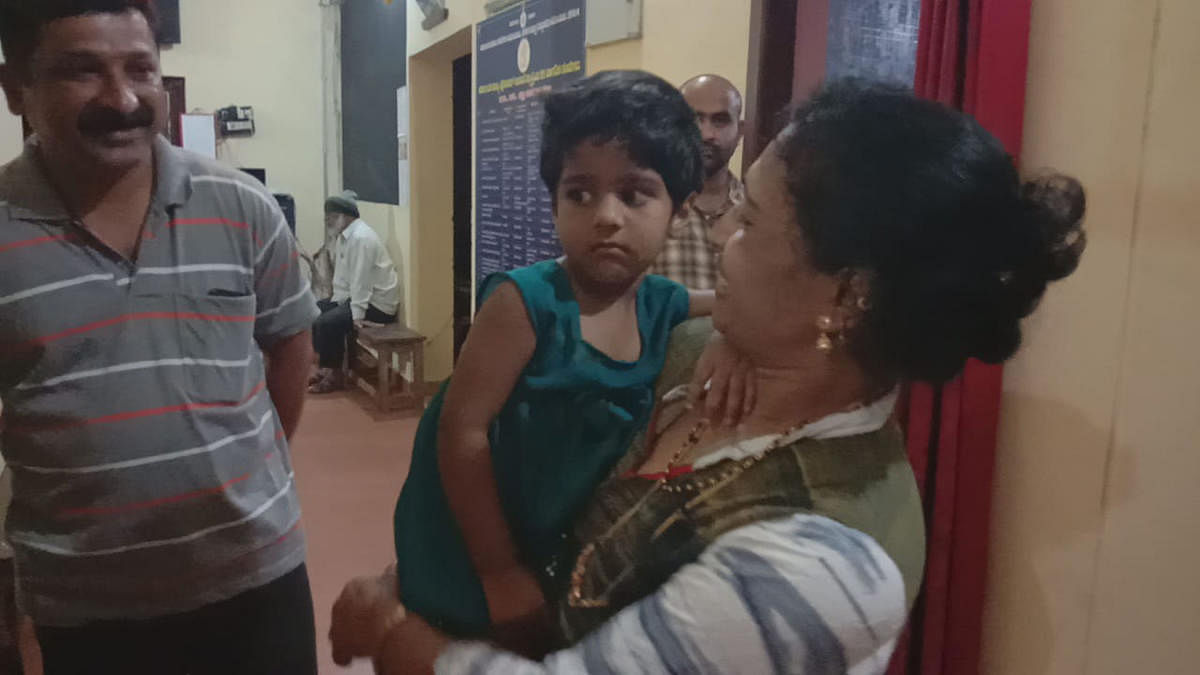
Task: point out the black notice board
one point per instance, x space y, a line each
168 22
521 54
374 54
874 39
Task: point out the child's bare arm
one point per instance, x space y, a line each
497 349
700 303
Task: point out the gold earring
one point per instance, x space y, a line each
824 341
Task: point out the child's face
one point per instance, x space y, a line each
612 215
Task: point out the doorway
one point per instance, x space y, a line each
463 269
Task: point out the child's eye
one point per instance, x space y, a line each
578 196
634 198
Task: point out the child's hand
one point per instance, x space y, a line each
513 595
363 614
726 383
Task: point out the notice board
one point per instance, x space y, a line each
522 54
374 58
874 39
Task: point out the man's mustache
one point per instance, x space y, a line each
99 120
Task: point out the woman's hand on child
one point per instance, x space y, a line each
363 614
725 382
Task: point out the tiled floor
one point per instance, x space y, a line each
349 468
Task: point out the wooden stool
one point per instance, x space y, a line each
378 373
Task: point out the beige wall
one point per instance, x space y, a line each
1098 476
265 54
685 38
11 136
716 39
431 78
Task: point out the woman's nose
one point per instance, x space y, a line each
723 230
723 255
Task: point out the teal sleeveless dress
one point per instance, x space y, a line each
570 418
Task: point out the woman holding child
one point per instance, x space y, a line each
883 238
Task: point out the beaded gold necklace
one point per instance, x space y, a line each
575 597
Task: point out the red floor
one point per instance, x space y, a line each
349 467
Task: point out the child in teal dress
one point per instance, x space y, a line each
557 373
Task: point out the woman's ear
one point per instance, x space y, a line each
854 294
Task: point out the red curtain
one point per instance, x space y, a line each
971 54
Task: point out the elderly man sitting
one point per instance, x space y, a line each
366 288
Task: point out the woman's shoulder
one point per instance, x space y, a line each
768 597
866 482
782 547
863 481
831 583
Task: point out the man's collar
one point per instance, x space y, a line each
737 193
173 180
27 191
345 233
26 188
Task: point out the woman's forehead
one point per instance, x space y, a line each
764 183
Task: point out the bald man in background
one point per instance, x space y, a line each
699 233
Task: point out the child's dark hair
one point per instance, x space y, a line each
642 111
929 205
21 22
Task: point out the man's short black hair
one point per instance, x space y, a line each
22 21
641 111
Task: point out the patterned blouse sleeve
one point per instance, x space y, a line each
803 595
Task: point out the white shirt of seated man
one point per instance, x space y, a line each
363 272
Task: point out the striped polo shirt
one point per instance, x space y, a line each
151 475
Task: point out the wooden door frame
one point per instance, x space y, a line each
176 87
770 74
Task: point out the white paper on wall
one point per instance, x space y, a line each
200 134
402 124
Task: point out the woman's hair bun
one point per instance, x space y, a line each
1041 242
930 203
1056 204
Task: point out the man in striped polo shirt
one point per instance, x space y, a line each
154 347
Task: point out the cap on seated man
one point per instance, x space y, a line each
366 288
